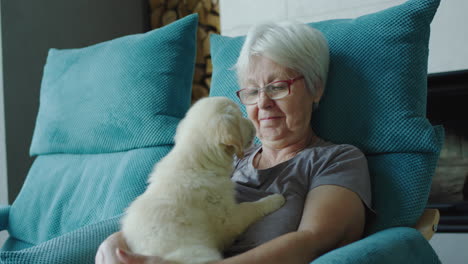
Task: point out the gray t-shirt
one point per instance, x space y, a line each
320 164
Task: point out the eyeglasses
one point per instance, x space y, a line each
275 90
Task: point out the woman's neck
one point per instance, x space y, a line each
272 154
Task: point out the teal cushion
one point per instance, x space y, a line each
126 93
400 186
375 96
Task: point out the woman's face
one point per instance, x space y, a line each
281 122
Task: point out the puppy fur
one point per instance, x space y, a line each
188 213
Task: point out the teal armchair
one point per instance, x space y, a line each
392 245
108 112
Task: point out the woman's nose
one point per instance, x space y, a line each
264 101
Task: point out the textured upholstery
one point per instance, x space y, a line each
390 246
107 114
77 190
375 99
401 184
76 247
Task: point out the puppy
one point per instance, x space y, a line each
188 213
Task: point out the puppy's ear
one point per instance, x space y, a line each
229 134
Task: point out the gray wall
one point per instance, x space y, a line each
29 28
3 172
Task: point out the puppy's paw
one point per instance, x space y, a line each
272 203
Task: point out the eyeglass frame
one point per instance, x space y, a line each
288 81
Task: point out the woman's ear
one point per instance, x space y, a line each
318 90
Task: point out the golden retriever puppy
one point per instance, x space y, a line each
188 214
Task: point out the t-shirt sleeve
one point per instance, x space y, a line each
346 168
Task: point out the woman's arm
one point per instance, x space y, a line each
333 216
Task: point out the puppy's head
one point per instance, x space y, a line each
233 132
218 122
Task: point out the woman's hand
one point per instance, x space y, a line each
114 250
107 252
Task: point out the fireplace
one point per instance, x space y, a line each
447 105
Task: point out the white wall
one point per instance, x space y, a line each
450 247
449 37
448 47
3 165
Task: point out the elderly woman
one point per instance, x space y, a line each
282 70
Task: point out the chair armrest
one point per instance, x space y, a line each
427 223
393 245
4 214
76 247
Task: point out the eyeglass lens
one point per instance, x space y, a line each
274 91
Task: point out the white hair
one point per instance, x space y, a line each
296 46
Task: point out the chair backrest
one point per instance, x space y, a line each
107 114
375 99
